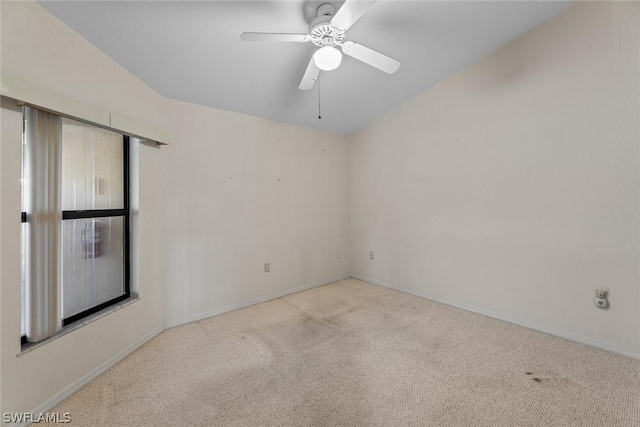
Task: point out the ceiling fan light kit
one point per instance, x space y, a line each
327 58
328 31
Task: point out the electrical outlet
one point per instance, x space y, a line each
338 254
370 254
601 298
267 267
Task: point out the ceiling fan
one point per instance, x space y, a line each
328 31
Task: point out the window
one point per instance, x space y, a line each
79 262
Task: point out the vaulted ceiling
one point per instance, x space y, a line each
192 51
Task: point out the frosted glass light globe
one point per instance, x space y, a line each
328 58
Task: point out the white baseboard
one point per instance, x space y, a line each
81 382
217 311
541 328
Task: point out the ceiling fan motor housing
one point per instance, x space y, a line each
321 31
326 34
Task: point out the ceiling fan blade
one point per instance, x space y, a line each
371 57
350 12
310 76
274 37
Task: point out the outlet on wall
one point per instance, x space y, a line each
267 267
601 299
370 254
338 254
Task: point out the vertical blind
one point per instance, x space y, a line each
43 174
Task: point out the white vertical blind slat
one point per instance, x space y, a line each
43 174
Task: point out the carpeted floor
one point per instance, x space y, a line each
356 354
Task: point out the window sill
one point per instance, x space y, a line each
30 346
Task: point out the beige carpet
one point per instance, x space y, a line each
356 354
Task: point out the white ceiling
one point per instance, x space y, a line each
191 51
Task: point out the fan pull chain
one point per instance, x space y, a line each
319 115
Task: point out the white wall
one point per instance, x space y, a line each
512 186
241 192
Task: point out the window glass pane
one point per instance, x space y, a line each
92 167
92 263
